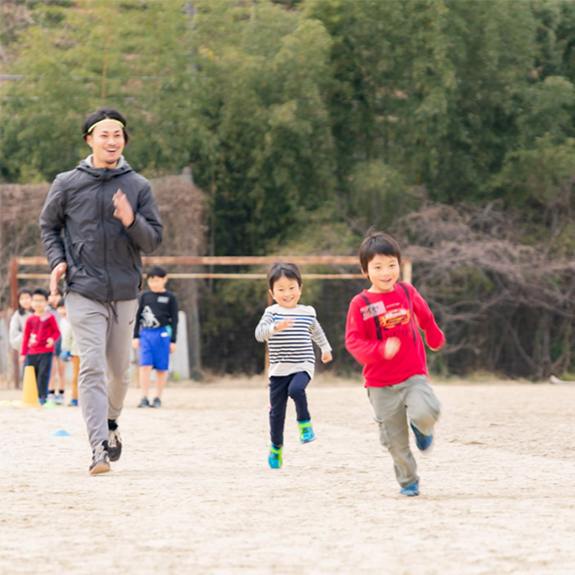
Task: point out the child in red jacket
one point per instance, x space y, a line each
40 334
383 335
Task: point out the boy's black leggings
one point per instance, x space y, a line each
42 364
280 389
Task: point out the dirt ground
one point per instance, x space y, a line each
193 493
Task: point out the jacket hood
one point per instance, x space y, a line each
87 166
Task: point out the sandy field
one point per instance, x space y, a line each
193 493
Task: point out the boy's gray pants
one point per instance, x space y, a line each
393 406
104 343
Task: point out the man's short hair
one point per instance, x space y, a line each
41 292
104 113
156 272
377 243
290 271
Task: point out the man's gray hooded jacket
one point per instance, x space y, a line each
79 228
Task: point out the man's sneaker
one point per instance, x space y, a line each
144 402
157 402
51 398
306 433
275 457
100 459
73 403
59 399
411 490
423 442
114 444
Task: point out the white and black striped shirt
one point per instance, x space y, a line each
291 350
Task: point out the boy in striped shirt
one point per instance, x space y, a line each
289 329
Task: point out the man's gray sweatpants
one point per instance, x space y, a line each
393 406
104 342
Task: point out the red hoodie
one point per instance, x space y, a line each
36 333
374 317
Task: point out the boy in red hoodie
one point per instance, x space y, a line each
40 333
383 335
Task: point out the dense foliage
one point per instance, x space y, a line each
306 122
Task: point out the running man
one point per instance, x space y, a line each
96 220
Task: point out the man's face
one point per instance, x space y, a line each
107 143
39 303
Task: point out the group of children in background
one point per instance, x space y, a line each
382 333
42 336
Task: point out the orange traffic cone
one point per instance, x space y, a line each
30 390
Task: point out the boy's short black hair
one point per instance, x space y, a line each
290 271
61 303
377 243
104 113
41 292
156 272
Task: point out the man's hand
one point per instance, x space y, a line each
136 343
50 342
391 347
22 359
123 211
284 324
172 347
55 276
326 357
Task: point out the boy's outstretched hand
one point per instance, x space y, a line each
136 343
22 359
391 347
326 357
172 347
284 324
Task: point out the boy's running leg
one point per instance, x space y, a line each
278 402
423 408
296 390
390 415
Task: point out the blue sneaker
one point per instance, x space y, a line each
73 403
306 433
411 490
275 457
42 400
423 442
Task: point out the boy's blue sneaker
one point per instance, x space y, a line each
275 457
411 490
306 433
73 403
423 442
